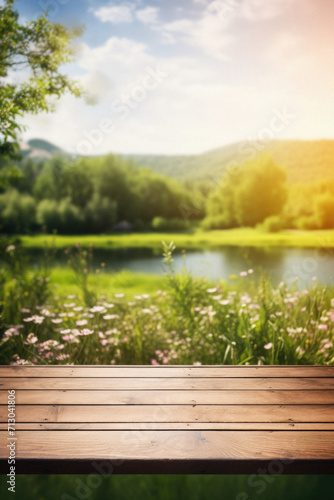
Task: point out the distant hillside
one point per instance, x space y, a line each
306 161
38 149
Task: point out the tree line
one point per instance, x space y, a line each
92 195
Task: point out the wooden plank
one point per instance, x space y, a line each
170 413
169 445
168 383
237 426
167 371
73 397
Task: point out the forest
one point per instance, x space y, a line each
92 195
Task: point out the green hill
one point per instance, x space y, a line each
306 161
39 149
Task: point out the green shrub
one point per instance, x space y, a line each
162 224
272 224
17 212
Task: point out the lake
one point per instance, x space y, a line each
276 263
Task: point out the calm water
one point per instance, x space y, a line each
278 264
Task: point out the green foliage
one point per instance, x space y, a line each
256 191
91 195
272 224
310 206
162 224
324 209
21 288
175 487
17 212
80 260
37 46
64 216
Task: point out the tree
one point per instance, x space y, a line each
40 48
263 191
324 210
256 192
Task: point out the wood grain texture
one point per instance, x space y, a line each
159 384
85 397
172 413
167 371
170 419
167 445
228 426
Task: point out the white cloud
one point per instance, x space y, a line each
208 33
149 15
115 14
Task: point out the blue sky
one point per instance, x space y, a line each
183 77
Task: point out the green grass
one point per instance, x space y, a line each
64 283
169 487
197 240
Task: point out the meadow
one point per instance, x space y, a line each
197 239
188 320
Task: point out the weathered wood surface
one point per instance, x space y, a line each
174 419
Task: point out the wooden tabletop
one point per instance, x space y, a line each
171 419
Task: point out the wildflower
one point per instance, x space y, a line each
56 321
212 290
146 311
97 309
243 273
10 248
9 333
72 304
268 346
31 339
154 362
45 312
322 327
23 310
314 278
81 322
111 316
224 302
86 331
35 319
119 295
250 271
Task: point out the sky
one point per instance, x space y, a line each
184 77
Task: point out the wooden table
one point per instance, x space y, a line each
171 419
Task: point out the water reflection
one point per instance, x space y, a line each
276 263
